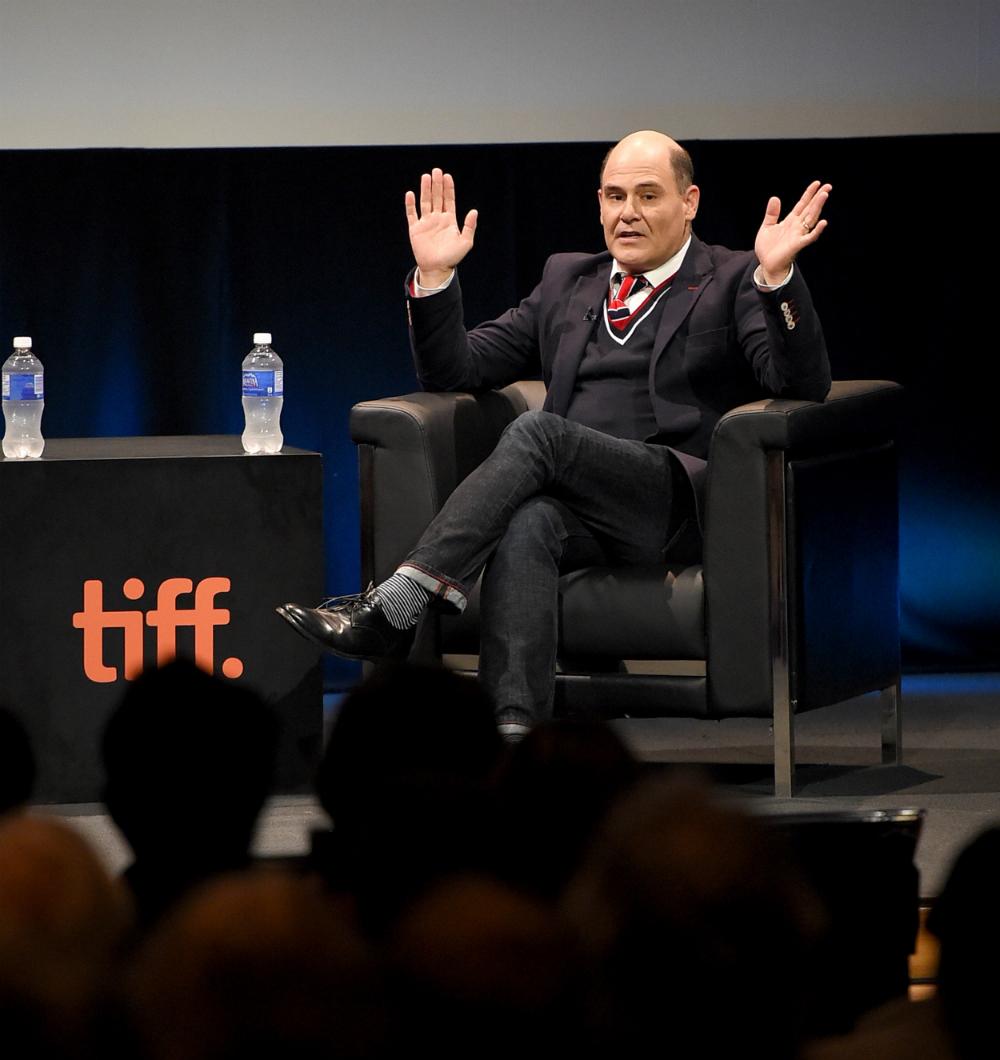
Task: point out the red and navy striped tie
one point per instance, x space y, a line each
618 312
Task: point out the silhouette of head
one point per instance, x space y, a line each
188 762
62 919
405 781
681 901
17 762
554 789
480 968
256 964
406 723
966 925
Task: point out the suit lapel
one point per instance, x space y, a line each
689 284
583 311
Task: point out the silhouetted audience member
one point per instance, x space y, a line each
17 763
964 919
62 920
188 763
256 965
478 969
698 928
554 789
405 780
540 896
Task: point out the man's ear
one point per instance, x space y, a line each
692 197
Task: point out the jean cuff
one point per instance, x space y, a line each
439 587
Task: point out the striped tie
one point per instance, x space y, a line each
618 312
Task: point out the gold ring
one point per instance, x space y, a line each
807 227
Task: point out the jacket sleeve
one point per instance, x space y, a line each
447 357
782 338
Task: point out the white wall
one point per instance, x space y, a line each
77 73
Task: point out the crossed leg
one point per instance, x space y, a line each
553 496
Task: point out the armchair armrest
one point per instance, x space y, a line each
413 451
853 411
853 430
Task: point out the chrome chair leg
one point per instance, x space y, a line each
892 724
784 747
781 692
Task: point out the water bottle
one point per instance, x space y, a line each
23 402
263 387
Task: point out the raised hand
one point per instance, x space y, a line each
778 242
438 243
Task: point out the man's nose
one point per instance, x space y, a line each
630 211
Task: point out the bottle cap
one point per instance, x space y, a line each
23 342
262 338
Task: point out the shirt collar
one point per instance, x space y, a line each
661 272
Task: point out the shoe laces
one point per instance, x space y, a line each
350 598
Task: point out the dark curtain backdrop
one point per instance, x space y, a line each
142 273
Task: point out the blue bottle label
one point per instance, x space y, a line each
23 386
263 384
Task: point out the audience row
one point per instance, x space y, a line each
472 898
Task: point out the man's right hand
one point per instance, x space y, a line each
437 241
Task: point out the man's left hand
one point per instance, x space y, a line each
778 242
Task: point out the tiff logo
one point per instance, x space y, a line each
166 618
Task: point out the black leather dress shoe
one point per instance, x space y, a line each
352 626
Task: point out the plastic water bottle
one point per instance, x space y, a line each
263 387
23 402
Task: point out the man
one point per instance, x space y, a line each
642 349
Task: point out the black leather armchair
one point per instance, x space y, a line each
793 606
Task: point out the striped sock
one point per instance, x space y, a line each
403 599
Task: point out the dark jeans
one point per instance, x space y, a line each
553 496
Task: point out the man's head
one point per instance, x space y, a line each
647 200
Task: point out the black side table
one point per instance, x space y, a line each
119 552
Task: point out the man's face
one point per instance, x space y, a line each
645 218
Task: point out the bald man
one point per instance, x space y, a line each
642 349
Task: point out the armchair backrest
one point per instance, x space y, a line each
413 451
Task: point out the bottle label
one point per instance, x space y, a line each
263 384
23 386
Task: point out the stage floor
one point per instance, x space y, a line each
951 769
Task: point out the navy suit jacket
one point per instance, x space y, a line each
720 342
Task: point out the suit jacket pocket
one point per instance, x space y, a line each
699 340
